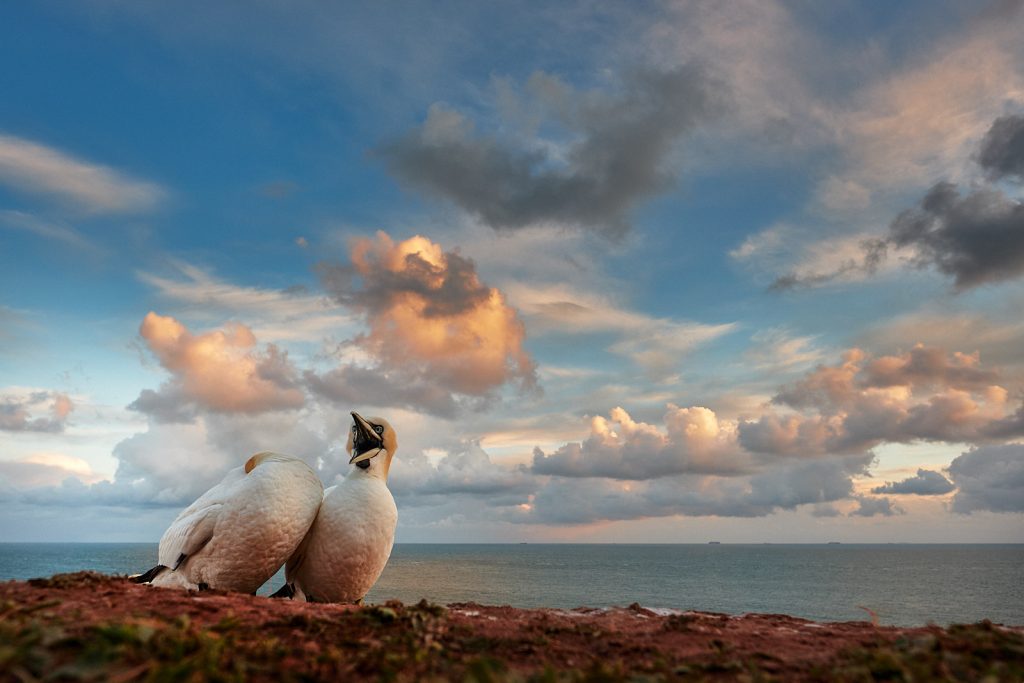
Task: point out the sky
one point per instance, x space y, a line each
616 272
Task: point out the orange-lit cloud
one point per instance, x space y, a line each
20 411
222 370
434 328
694 440
923 394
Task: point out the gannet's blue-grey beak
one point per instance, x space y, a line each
367 442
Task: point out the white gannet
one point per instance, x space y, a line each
350 542
237 534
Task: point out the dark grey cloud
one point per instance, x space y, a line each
618 153
785 487
351 385
445 290
20 413
989 478
976 238
876 507
1002 149
924 483
167 404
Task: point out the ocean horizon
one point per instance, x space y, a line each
905 584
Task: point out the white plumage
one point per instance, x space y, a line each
350 542
237 534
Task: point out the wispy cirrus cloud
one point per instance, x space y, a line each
272 314
34 168
656 344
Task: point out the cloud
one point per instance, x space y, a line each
1002 149
976 238
924 483
465 470
353 384
784 487
273 314
45 469
19 411
923 394
989 478
222 371
655 344
19 220
37 169
434 327
617 153
693 441
876 507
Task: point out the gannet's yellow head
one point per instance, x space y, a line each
371 443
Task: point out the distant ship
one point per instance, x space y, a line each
834 543
714 543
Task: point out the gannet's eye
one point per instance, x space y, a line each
378 428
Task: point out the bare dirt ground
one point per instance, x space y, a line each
90 627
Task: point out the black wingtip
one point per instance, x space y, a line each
285 591
150 575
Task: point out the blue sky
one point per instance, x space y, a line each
663 271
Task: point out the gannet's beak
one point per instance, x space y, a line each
367 442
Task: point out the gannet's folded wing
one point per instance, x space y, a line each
188 535
194 526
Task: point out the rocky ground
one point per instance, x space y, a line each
91 627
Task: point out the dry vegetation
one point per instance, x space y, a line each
88 627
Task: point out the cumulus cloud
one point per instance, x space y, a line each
693 440
1002 149
924 483
989 478
20 411
221 371
617 152
464 470
36 168
923 394
436 332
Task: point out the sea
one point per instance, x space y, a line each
904 585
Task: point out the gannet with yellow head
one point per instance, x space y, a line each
237 534
350 542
